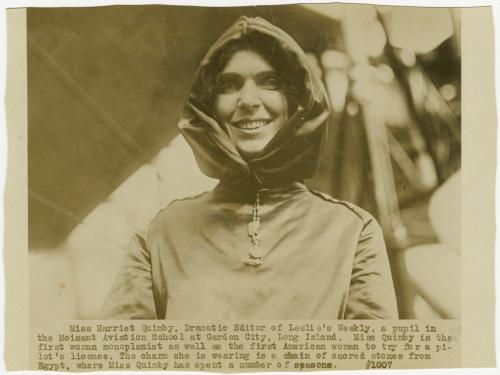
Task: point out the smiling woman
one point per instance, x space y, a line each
261 245
250 105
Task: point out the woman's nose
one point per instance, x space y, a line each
249 95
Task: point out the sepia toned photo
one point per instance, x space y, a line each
273 188
305 167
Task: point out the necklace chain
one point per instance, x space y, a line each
255 254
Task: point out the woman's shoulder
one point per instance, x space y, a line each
341 206
181 208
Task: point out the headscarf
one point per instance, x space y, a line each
293 153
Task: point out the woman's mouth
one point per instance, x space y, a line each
250 124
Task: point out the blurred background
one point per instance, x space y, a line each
106 88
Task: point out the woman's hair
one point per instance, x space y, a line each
291 74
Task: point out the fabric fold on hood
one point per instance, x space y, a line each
292 154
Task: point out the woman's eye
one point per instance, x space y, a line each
228 87
270 83
228 84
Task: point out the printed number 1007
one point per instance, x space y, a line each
378 364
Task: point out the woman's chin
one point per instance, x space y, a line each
250 149
251 143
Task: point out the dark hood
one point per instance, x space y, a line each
293 153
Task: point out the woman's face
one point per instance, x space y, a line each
250 104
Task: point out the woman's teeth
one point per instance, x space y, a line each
250 125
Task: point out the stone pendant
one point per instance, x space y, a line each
255 254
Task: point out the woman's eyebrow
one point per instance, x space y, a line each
228 75
261 72
267 73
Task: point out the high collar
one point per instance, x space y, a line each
229 190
